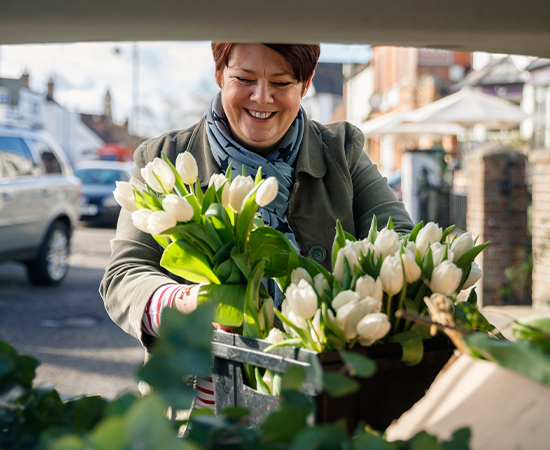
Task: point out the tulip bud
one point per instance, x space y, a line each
320 283
219 180
300 274
473 278
290 315
343 298
386 242
275 335
362 247
268 380
461 245
372 327
187 168
412 271
438 252
161 169
179 207
371 305
429 234
160 221
391 275
267 191
367 286
411 246
302 299
124 195
139 219
348 316
239 189
317 332
445 278
349 254
267 309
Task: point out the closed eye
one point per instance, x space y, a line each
244 80
282 83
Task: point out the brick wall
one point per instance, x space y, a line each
497 212
540 174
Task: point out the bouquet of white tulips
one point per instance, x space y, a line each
214 237
373 278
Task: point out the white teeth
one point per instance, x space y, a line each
259 115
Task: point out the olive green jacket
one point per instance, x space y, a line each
334 180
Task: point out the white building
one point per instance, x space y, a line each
19 106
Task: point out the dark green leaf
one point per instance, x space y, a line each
293 378
251 326
413 348
338 385
466 259
373 232
446 233
322 437
459 441
184 260
370 441
423 441
415 231
358 365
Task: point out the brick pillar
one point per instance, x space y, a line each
540 175
497 212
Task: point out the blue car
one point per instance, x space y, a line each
98 206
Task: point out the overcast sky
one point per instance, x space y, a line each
175 79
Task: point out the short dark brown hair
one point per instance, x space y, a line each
301 57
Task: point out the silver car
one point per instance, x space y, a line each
39 200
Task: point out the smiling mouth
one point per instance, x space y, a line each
260 115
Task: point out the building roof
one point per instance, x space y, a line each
329 79
498 72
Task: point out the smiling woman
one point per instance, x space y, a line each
255 121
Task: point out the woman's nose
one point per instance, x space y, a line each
262 94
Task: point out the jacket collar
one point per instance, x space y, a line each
311 156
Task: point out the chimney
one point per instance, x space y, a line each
25 79
50 89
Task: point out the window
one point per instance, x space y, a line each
49 160
16 157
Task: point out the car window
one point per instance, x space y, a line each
49 160
16 157
101 176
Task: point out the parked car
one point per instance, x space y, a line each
98 183
39 200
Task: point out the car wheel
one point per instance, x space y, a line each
52 264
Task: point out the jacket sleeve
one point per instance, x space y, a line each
133 273
371 194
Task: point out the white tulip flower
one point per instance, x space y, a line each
139 219
367 286
300 274
362 247
445 278
320 283
351 256
187 168
438 252
461 245
412 271
268 380
371 305
124 195
348 316
411 246
268 306
160 221
219 180
161 169
343 298
267 192
429 234
302 299
386 242
274 336
372 327
295 319
391 275
239 189
473 278
179 207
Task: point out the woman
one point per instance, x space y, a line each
256 120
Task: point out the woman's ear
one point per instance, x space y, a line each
307 84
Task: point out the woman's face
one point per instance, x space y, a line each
260 96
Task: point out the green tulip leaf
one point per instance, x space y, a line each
466 259
179 186
217 216
261 385
229 302
246 217
251 326
266 241
338 243
446 233
415 230
184 260
428 263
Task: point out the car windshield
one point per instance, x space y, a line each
101 176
